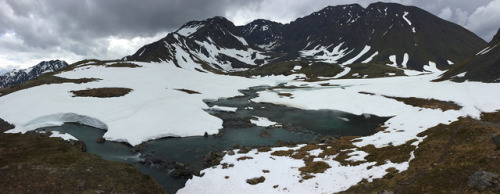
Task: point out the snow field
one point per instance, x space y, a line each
154 109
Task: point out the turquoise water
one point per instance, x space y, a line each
301 127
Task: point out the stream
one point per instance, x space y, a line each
159 157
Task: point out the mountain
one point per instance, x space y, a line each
16 77
383 34
484 66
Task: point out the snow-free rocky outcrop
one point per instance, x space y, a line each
16 77
383 33
483 66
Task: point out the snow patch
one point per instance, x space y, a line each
343 73
352 60
263 122
406 19
370 58
223 108
64 136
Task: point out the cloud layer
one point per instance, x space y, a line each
31 31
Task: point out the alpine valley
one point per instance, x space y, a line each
383 99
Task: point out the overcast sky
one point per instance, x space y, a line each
72 30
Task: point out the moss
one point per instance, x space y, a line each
264 149
244 158
395 154
428 103
124 64
256 180
493 117
36 163
315 167
283 153
102 92
443 161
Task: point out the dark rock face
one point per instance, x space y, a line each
411 35
482 181
20 76
483 66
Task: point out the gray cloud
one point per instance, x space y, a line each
74 30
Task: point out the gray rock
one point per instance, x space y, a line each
496 140
482 180
385 192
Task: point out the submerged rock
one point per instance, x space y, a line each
100 140
139 147
212 159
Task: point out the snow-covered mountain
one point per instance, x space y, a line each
483 66
383 33
20 76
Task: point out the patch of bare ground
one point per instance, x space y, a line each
285 95
44 79
51 78
257 180
244 158
428 103
188 91
102 92
444 161
493 117
124 64
35 163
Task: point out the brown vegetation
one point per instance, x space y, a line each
444 161
428 103
35 163
188 91
102 92
123 64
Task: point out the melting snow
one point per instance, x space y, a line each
153 107
64 136
223 108
406 57
352 60
406 19
263 122
370 58
432 68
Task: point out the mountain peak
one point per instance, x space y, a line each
496 38
20 76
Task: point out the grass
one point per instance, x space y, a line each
444 161
102 92
35 163
372 70
395 154
256 180
124 64
51 78
428 103
314 167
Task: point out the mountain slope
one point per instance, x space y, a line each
352 34
483 66
383 33
16 77
212 44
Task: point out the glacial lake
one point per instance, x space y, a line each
296 126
